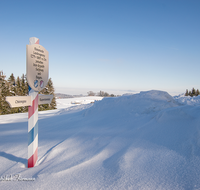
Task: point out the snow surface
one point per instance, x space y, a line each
149 140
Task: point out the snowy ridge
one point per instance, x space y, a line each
136 104
148 140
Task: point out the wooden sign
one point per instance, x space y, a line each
18 101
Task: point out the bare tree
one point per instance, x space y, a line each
91 93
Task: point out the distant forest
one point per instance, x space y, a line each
192 93
101 93
19 87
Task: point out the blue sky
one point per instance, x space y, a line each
111 45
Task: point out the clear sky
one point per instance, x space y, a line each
110 45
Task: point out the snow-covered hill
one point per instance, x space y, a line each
148 140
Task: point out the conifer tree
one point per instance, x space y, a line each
52 92
23 91
24 86
18 87
4 91
11 81
48 90
197 92
186 93
193 92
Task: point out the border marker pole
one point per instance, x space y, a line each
33 121
37 80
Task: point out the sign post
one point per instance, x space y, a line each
33 109
37 73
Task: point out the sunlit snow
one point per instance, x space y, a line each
149 140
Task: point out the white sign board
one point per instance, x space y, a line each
37 66
44 99
18 101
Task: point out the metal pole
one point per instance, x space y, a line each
33 121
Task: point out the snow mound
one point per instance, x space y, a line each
136 104
188 100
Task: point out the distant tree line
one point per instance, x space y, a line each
192 93
19 87
101 93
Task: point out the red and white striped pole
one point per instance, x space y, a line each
33 121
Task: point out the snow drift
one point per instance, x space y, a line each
148 140
136 104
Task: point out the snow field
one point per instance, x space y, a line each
145 141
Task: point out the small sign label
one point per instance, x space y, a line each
18 101
44 99
36 83
41 83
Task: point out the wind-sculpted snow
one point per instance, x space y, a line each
133 105
188 100
144 141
